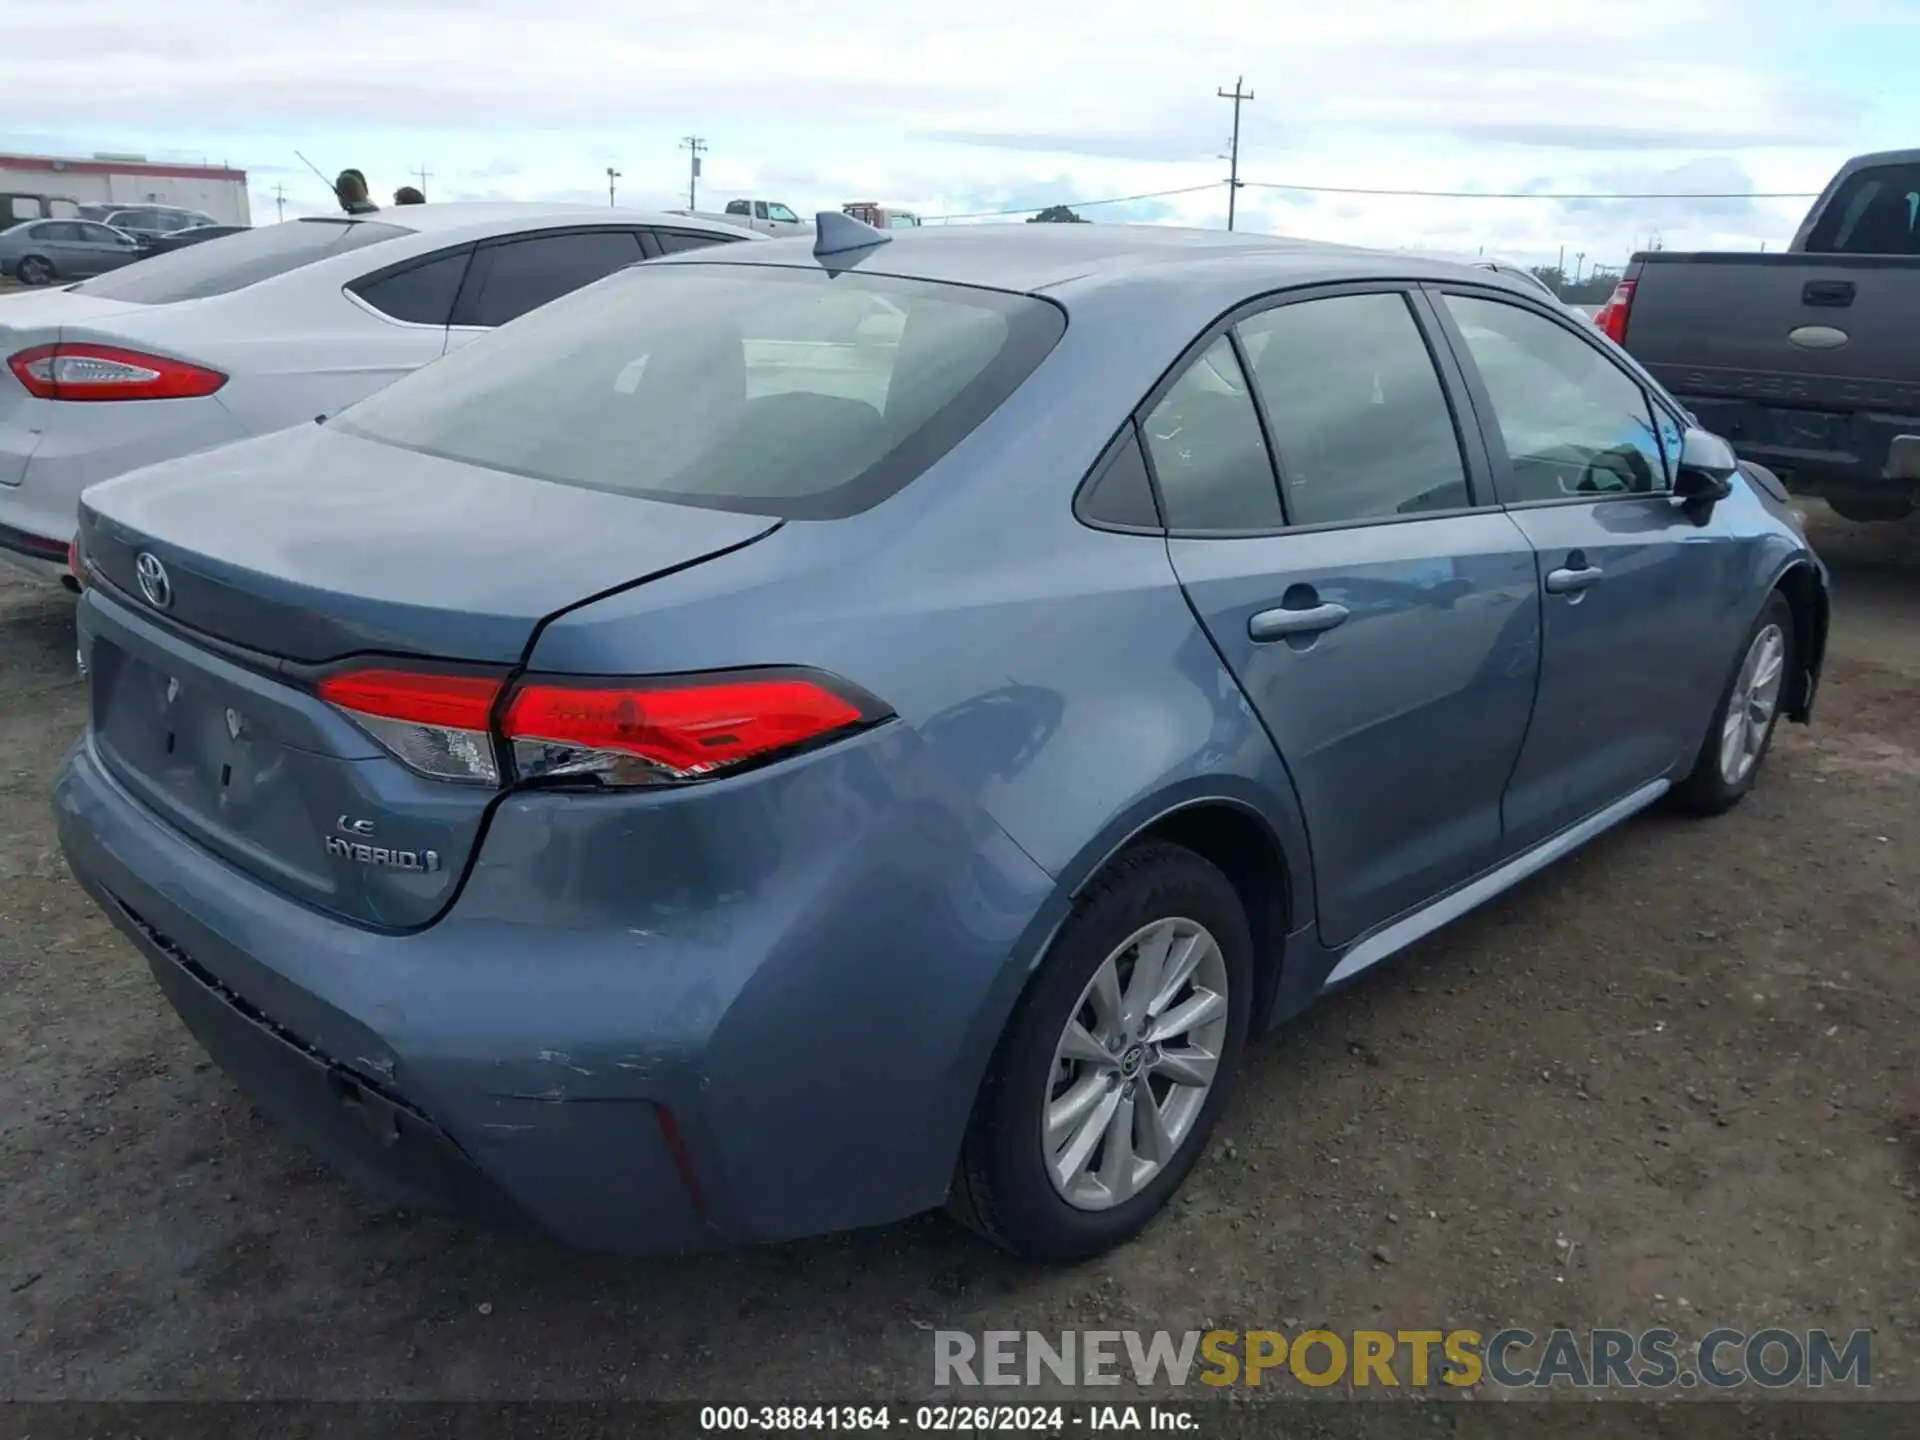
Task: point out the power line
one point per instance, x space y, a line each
1405 194
1080 204
1540 194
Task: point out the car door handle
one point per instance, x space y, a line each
1567 582
1833 294
1279 623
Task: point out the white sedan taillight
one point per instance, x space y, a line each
72 370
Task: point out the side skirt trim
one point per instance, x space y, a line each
1451 906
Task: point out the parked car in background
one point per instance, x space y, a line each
881 217
795 734
40 252
148 222
1524 276
771 217
180 239
1805 360
16 206
269 328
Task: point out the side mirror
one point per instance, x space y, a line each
1707 468
1903 458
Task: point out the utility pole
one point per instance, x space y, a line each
1233 154
1560 268
1579 259
279 200
422 173
695 147
612 175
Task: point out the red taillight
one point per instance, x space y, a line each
1612 316
670 732
633 733
437 724
78 371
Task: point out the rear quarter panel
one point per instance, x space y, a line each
1052 675
300 355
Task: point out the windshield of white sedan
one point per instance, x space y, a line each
775 391
233 262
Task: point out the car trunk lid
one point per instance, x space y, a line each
204 683
309 545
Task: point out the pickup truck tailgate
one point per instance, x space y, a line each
1804 362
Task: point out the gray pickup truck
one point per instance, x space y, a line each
1807 360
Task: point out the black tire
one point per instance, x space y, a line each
1870 509
34 270
1708 790
1002 1188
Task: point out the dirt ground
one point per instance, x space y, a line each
1671 1080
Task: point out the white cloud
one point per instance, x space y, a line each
960 107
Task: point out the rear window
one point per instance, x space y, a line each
792 393
233 262
1876 212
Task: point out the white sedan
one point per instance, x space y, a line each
269 328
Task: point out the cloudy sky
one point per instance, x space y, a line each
997 104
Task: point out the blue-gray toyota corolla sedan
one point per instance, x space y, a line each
798 734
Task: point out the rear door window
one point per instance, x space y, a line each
509 279
1207 450
1356 411
233 262
420 294
767 390
1876 212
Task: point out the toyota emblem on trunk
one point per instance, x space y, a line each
154 583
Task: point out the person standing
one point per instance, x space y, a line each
351 191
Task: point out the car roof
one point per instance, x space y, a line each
478 219
1079 264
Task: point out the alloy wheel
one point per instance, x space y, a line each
1751 707
1135 1063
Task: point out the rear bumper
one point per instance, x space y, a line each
50 452
792 1053
383 1142
1815 452
40 558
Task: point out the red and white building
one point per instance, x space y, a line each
127 180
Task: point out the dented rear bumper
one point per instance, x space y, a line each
645 1024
